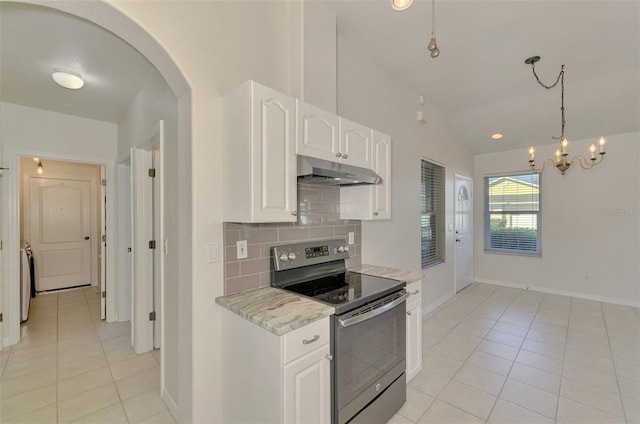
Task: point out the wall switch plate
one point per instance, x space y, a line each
212 252
241 247
352 239
450 227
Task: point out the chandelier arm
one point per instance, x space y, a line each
586 163
544 164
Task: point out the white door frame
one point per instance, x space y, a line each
12 198
142 302
455 251
3 241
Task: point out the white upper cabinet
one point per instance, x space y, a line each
324 135
259 166
355 144
318 132
371 202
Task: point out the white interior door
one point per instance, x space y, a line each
142 256
157 253
464 232
60 232
103 244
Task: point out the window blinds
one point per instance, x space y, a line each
432 214
512 213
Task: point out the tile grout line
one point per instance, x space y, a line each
564 355
518 353
613 361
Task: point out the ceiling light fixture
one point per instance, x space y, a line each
401 5
497 136
68 80
40 170
432 47
561 163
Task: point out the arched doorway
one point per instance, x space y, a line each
108 17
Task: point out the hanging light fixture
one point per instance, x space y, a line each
40 170
562 163
432 47
401 5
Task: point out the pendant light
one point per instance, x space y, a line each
432 47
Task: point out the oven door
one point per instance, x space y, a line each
369 355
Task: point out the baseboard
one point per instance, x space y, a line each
171 404
570 293
433 305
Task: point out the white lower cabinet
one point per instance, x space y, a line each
275 379
414 329
307 388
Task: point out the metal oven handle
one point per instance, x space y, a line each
374 312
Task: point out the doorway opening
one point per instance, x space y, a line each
62 227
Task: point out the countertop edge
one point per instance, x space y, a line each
388 272
275 310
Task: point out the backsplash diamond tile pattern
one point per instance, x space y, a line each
318 219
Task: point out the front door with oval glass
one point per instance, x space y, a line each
464 233
60 223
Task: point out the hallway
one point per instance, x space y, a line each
72 367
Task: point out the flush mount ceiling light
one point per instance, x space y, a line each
561 163
401 5
497 136
68 80
432 47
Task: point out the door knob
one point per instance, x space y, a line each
86 237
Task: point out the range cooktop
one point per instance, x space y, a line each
347 290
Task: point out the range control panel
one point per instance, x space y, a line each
303 254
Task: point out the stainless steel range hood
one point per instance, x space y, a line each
327 173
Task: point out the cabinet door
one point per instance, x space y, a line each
381 201
414 337
318 135
355 144
273 159
307 389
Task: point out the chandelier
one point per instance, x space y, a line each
562 162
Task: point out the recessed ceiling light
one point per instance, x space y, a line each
496 136
401 4
68 80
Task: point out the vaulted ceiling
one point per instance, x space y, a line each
480 80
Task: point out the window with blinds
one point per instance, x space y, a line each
512 214
432 214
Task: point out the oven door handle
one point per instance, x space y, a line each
375 312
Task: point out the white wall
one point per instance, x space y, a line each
368 95
590 224
36 130
153 103
217 46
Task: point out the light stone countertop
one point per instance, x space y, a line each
275 310
386 272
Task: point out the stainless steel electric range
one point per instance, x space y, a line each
368 330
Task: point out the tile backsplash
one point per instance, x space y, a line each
318 219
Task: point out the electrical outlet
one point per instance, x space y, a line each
352 239
241 247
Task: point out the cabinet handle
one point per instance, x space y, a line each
415 292
408 312
315 339
294 213
329 357
345 156
376 213
338 155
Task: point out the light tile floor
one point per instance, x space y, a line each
500 355
72 367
